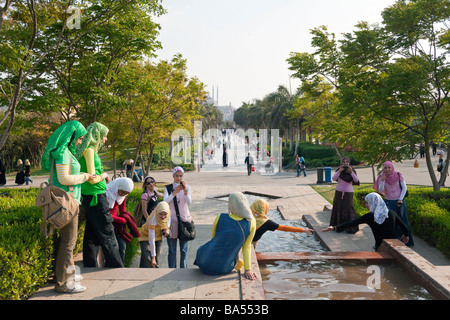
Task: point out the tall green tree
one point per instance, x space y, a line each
35 36
392 82
157 98
404 74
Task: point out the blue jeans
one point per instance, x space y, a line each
172 243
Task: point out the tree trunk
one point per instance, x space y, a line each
114 163
150 159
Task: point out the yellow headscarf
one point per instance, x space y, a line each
259 209
163 223
154 222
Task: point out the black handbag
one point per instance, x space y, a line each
186 230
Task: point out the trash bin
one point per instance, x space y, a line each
327 174
319 175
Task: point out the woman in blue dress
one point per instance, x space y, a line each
231 232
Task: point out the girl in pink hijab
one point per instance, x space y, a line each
392 185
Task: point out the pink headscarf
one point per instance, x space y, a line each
392 179
176 169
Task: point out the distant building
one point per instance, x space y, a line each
227 111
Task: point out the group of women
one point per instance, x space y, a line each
72 150
387 218
72 153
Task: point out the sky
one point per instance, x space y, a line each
240 47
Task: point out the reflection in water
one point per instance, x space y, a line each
337 280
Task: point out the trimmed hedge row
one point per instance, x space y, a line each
315 156
428 215
26 257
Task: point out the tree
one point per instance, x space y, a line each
392 82
156 100
33 38
404 74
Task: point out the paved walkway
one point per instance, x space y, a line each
296 199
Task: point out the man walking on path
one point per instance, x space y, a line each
249 162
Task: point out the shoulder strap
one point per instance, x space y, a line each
175 203
70 171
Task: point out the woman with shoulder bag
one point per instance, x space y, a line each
60 152
392 185
182 192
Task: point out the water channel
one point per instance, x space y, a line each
325 279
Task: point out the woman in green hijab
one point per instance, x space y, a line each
99 232
59 153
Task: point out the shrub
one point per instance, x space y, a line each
315 156
26 256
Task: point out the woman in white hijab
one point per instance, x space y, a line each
231 232
380 219
116 194
117 191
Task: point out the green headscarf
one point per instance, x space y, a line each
93 138
59 140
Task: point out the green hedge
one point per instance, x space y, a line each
428 215
26 257
315 156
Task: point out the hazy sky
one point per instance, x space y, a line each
241 46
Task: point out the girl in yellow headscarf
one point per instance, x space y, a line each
156 226
259 209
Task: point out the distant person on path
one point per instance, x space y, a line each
2 174
382 221
180 191
230 232
155 228
149 198
116 194
259 209
301 165
343 208
422 150
128 167
27 172
61 147
392 185
225 156
249 161
441 154
99 231
20 175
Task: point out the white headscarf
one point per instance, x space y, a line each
238 204
377 206
112 190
